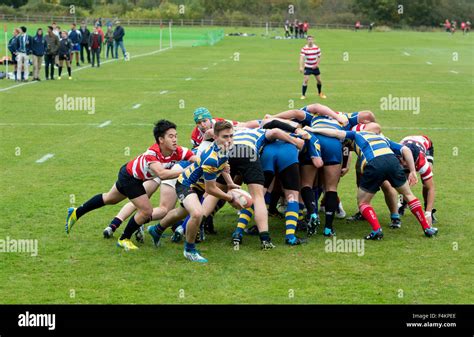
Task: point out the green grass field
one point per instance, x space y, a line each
405 267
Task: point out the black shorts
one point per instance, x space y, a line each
311 71
182 191
289 177
128 185
245 162
66 57
379 169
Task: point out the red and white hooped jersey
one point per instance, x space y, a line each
311 55
423 142
422 165
139 167
197 135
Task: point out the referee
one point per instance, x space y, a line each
309 65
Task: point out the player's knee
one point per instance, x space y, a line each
196 213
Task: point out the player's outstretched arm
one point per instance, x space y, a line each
290 114
275 134
327 132
323 110
163 173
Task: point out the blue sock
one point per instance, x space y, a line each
317 193
185 223
189 246
267 198
394 216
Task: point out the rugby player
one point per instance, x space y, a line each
310 56
379 163
146 166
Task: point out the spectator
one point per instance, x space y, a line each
85 34
52 47
95 41
13 50
23 47
287 29
64 54
305 28
110 42
300 28
38 48
119 33
447 26
468 26
56 30
102 34
357 26
371 26
291 28
76 38
295 24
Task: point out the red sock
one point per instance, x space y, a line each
368 213
415 208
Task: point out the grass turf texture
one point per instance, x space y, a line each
405 267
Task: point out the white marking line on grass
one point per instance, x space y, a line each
188 79
136 106
205 68
104 124
453 71
45 158
406 54
162 92
428 62
86 67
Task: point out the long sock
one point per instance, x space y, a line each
274 197
244 219
394 216
115 223
291 219
304 88
300 212
185 223
415 208
267 198
69 71
60 70
264 236
317 193
93 203
330 208
132 226
189 246
369 214
308 199
319 88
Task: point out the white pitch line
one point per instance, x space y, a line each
86 67
45 158
162 92
136 106
104 124
188 79
406 54
428 62
205 68
453 71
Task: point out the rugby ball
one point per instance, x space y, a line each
243 197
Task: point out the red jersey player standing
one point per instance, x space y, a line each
310 56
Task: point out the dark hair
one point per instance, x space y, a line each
309 36
74 24
222 125
50 27
23 29
161 127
